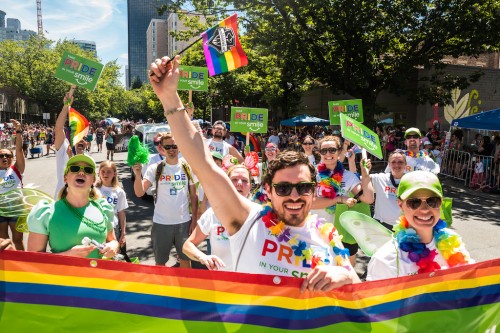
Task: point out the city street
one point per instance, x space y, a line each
476 216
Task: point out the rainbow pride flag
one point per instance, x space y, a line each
79 126
52 293
223 51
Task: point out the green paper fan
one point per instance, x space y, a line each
368 232
20 201
137 153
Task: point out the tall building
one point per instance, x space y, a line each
140 13
13 29
175 24
14 24
156 39
86 45
2 18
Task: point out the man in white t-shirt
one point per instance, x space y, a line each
61 144
274 138
175 193
417 159
218 144
283 240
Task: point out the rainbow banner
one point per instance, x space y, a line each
79 126
223 51
52 293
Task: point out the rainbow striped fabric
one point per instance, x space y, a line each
79 126
50 293
223 51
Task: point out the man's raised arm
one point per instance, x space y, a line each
230 208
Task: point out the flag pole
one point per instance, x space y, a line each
181 52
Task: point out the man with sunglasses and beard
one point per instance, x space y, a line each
422 243
62 145
175 193
280 239
417 159
218 144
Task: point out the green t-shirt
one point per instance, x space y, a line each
66 229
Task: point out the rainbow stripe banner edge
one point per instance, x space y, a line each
52 293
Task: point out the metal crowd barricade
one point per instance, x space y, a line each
457 164
485 173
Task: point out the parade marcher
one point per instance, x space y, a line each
90 137
110 143
335 184
61 144
385 185
421 243
111 191
175 194
271 240
219 257
217 142
99 138
10 179
78 213
308 144
417 159
49 141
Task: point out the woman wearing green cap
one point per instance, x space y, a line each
421 242
78 213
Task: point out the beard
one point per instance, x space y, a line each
292 219
217 135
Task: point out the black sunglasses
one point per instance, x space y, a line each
303 188
76 169
332 150
416 203
412 136
167 147
307 143
6 156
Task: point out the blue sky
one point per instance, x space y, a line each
101 21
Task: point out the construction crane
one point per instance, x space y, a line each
39 17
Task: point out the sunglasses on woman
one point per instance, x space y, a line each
5 156
76 169
331 150
307 143
303 188
416 203
167 147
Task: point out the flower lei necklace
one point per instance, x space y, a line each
300 248
448 244
420 154
330 182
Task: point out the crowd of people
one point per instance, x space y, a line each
280 219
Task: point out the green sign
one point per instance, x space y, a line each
360 134
248 120
79 71
193 78
351 107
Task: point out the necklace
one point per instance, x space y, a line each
420 154
301 248
393 181
96 226
330 183
448 243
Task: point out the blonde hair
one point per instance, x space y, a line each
333 138
238 166
94 193
108 164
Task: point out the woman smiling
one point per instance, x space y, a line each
78 213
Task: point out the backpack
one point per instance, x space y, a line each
159 171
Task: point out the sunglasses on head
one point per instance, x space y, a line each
6 156
307 143
416 203
167 147
413 136
303 188
332 150
76 169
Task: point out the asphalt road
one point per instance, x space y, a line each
476 216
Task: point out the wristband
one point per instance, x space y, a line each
175 110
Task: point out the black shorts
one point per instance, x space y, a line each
110 146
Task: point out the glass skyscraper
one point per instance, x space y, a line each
140 13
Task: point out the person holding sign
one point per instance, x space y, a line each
217 142
417 159
422 242
335 184
270 240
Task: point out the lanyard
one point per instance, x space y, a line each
393 181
